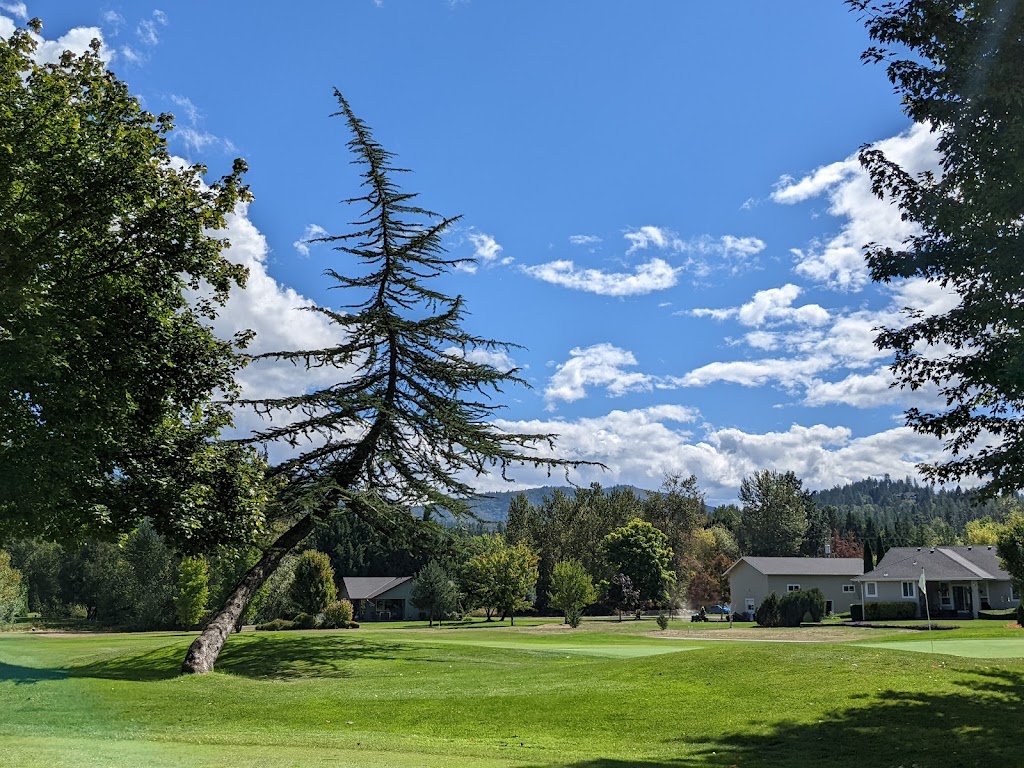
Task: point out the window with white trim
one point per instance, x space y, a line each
849 588
792 587
871 588
909 590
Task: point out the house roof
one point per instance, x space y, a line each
369 587
804 566
980 563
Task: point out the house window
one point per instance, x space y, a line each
944 597
909 590
871 588
849 588
792 587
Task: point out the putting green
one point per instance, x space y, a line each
979 648
609 650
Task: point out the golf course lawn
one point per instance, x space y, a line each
607 695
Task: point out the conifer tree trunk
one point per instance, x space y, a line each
205 649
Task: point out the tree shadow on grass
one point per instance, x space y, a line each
260 656
28 675
974 726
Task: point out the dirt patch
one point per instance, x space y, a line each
775 635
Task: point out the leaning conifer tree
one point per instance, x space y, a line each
409 420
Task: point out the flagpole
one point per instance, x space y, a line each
928 609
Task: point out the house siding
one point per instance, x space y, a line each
745 582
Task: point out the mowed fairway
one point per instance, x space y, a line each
607 695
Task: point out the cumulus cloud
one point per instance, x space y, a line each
312 232
18 10
788 373
773 306
654 275
839 261
600 365
640 446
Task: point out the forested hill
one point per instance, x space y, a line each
885 500
882 500
494 508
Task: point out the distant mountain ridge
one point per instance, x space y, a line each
493 508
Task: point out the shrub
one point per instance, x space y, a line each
662 621
277 625
305 621
1006 614
856 612
767 613
338 614
313 588
889 611
802 605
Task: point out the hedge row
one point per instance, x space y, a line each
888 611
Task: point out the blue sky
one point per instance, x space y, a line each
663 197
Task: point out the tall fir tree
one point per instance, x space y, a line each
409 420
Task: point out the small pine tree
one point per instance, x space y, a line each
193 591
435 592
313 588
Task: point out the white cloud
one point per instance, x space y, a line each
773 306
312 232
113 18
160 17
486 249
496 358
191 110
645 237
654 275
19 10
839 261
640 446
600 365
789 373
77 40
194 139
584 239
146 32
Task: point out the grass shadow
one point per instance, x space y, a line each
891 728
28 675
287 655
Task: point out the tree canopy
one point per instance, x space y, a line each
959 67
773 518
107 369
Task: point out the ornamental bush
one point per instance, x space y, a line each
767 613
313 588
338 615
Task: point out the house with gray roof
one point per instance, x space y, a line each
752 579
380 598
959 581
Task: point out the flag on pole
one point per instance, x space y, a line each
921 583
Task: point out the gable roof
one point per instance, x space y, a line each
804 566
369 587
976 563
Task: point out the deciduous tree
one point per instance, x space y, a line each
958 66
641 552
572 589
107 369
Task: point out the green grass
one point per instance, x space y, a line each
607 695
